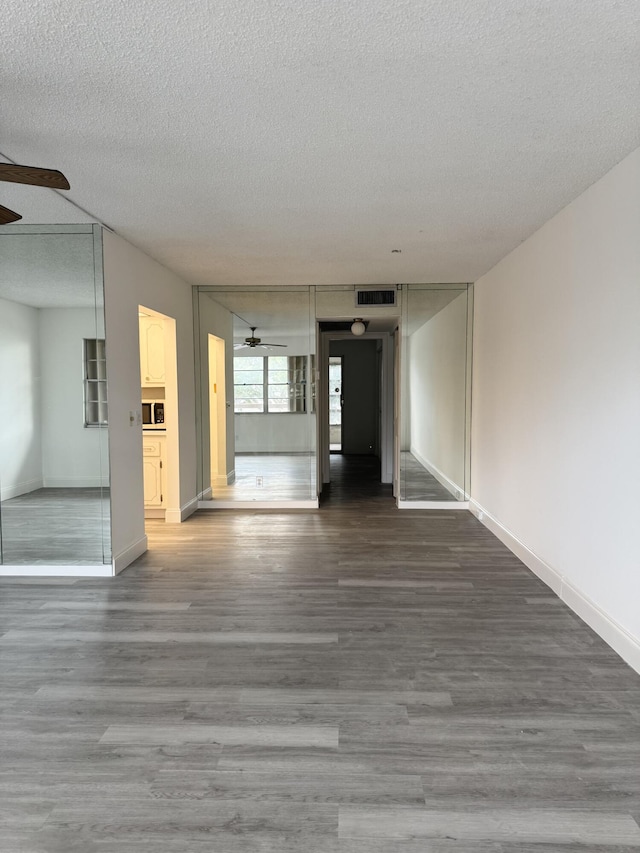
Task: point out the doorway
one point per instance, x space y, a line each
217 411
335 404
356 400
359 395
159 395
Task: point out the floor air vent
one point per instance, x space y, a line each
376 297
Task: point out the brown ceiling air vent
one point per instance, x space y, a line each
376 296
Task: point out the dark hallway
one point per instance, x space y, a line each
355 483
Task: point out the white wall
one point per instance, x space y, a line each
72 455
20 419
437 388
131 279
274 433
556 403
277 432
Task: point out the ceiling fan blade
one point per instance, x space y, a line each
32 175
273 345
241 346
7 216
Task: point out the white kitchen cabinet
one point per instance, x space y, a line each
153 460
152 369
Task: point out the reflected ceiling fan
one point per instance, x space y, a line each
28 175
252 342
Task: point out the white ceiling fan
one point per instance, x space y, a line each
252 342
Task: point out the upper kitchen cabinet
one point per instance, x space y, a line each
152 367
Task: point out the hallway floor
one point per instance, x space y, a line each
354 678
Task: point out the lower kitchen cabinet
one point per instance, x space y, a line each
154 459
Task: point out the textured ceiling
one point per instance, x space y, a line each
289 142
48 270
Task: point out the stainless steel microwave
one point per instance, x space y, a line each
153 414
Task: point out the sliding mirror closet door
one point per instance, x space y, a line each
435 393
54 477
257 410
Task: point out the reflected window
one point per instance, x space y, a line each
95 383
248 384
269 384
335 403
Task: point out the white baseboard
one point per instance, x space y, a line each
189 508
18 489
620 640
176 516
231 477
37 571
75 482
433 504
154 512
219 480
206 495
126 557
456 490
215 504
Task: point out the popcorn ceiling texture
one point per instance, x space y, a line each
299 142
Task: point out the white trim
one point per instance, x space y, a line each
75 482
219 480
188 509
433 504
154 512
18 489
126 557
177 516
457 491
620 640
37 571
85 228
215 504
206 495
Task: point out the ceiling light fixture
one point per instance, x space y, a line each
358 327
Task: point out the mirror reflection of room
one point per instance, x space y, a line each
434 427
258 410
54 487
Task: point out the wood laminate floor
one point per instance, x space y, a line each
354 678
282 476
418 484
271 477
56 527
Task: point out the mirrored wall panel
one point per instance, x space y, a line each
54 475
255 360
435 393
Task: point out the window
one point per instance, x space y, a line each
95 383
248 384
271 383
